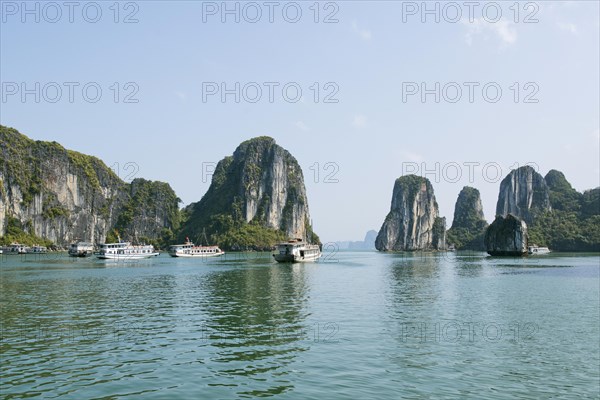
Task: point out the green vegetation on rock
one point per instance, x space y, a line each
563 196
89 166
149 202
311 236
16 232
468 226
573 224
590 203
411 184
251 236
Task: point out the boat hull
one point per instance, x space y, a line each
127 256
184 255
81 254
291 258
507 253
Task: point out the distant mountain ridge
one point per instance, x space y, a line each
367 244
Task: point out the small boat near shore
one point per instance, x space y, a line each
126 251
537 250
188 249
81 249
36 249
16 248
297 250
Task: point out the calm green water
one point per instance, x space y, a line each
358 325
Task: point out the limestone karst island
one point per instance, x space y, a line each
53 197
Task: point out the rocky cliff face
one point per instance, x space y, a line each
413 222
468 225
151 211
523 193
262 185
62 195
506 236
468 209
438 234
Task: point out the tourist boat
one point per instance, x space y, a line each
126 251
39 249
17 248
188 249
297 250
81 249
535 250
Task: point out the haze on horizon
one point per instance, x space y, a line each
379 94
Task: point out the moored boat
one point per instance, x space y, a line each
81 249
188 249
126 251
17 248
39 249
297 250
537 250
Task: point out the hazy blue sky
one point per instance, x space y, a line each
369 56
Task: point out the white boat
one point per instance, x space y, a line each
297 251
17 248
126 251
534 250
81 249
190 250
39 249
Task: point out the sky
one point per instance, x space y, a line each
360 92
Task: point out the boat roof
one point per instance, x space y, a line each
192 244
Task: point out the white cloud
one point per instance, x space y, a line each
359 121
504 30
364 34
302 126
410 156
568 27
